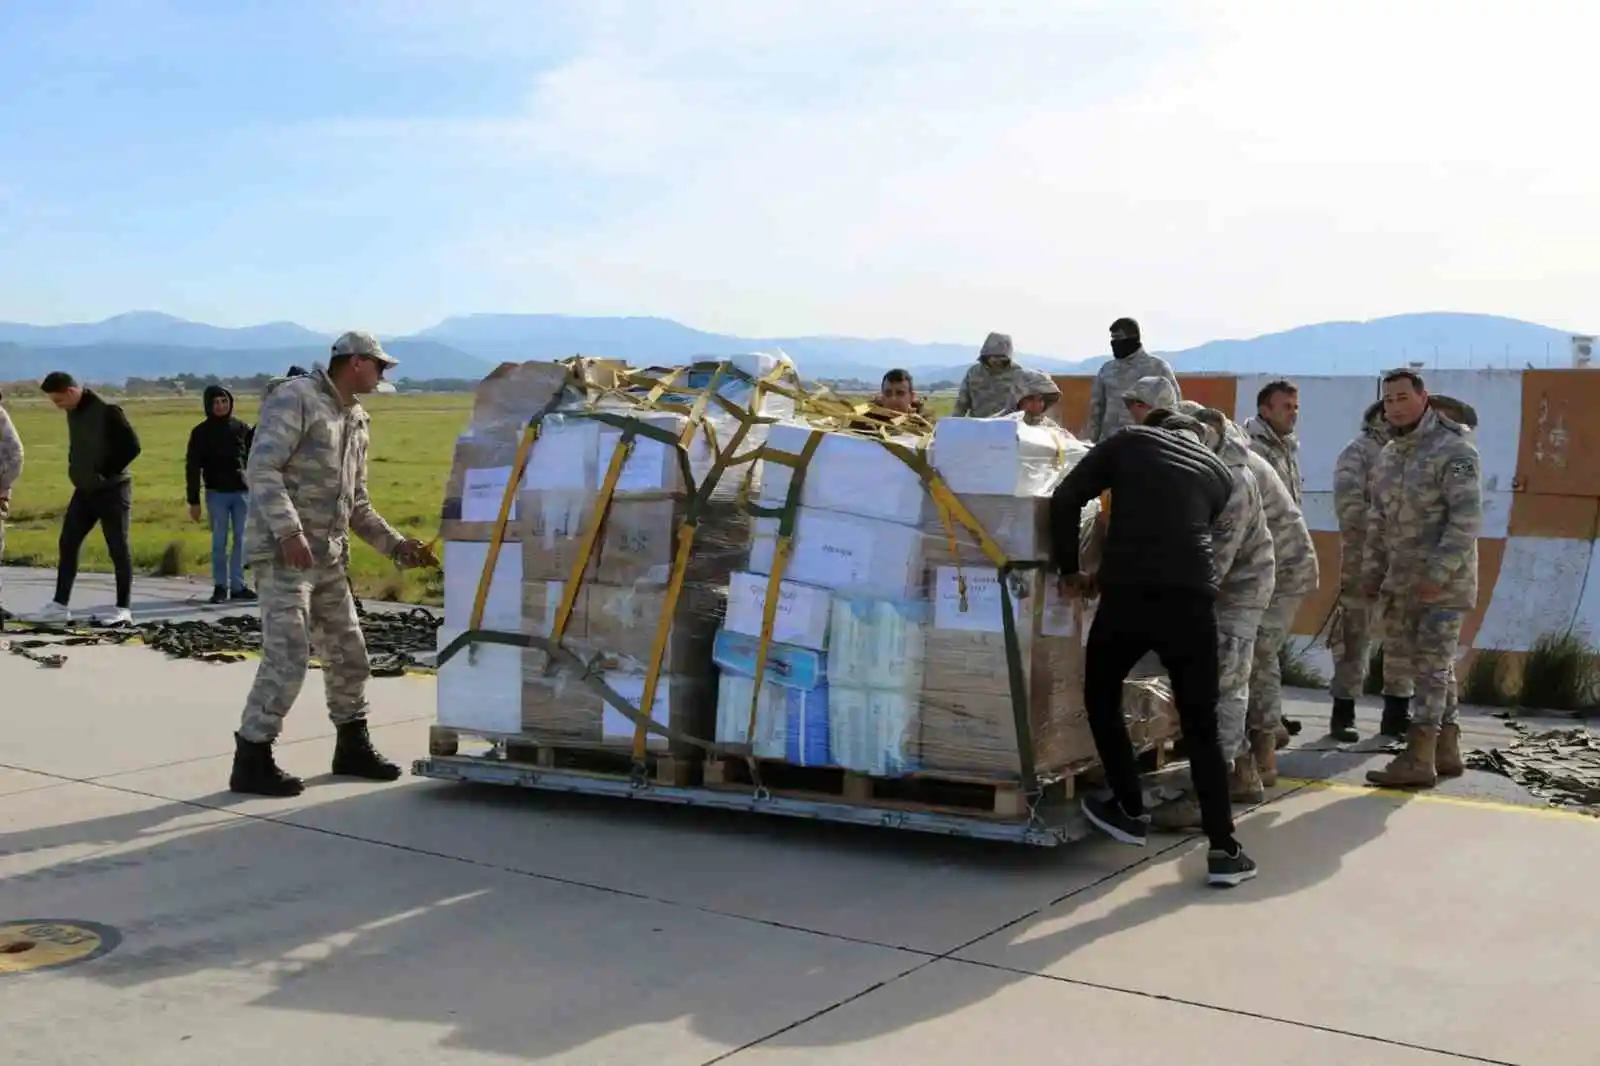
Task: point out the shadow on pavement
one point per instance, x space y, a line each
524 965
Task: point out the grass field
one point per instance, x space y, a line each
412 440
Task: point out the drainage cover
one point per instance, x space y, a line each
34 944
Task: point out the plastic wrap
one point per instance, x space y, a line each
886 651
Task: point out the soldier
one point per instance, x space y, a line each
1350 640
1146 395
10 471
1129 362
1042 395
1420 566
994 386
1246 573
1272 432
308 490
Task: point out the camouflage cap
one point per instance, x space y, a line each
996 344
1154 391
360 342
1038 383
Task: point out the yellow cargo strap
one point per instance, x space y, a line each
591 536
497 537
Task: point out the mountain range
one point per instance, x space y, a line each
148 344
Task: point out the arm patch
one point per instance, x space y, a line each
1462 469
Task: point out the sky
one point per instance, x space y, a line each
926 169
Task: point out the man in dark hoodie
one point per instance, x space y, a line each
218 448
101 445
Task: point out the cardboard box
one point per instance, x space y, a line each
846 474
620 624
801 617
863 556
559 708
1019 525
479 474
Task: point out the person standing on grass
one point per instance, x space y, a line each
1158 586
308 492
101 445
218 449
10 471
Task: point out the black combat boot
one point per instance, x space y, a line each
354 755
255 771
1342 723
1396 716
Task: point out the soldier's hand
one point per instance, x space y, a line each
297 553
194 512
412 552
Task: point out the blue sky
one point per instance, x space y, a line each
930 169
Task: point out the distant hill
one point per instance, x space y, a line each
150 344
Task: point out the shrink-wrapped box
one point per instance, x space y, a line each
1002 456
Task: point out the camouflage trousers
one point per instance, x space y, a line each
1420 645
1351 642
300 608
1266 671
1236 641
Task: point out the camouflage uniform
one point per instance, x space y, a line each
10 469
1283 452
1107 413
1039 383
308 474
1422 527
1153 391
1351 638
1294 577
991 389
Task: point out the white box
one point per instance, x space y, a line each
1002 456
871 731
844 552
615 725
564 457
801 618
480 690
851 475
463 568
653 467
984 607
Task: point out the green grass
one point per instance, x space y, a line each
412 440
1559 674
1485 683
1297 671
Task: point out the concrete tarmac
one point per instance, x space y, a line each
422 922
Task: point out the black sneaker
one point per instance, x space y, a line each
1108 816
1229 871
245 595
219 594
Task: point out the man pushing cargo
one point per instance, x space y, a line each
308 491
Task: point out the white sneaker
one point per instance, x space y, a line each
119 617
51 612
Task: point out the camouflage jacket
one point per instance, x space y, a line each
1107 413
10 452
987 393
1282 452
1242 556
1293 551
308 473
1352 473
1425 515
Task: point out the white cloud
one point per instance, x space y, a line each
938 168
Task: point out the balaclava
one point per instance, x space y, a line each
1121 349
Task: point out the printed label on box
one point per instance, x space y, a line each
482 492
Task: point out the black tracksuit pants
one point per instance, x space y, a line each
111 508
1180 626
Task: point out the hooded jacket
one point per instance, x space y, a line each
101 444
308 474
991 389
1107 412
1170 491
218 450
1283 452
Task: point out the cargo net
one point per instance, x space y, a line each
718 564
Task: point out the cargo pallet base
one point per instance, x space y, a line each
983 810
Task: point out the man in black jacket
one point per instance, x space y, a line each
100 447
1157 593
218 448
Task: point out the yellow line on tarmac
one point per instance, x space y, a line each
1424 796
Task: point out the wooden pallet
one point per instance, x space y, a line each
921 791
593 760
